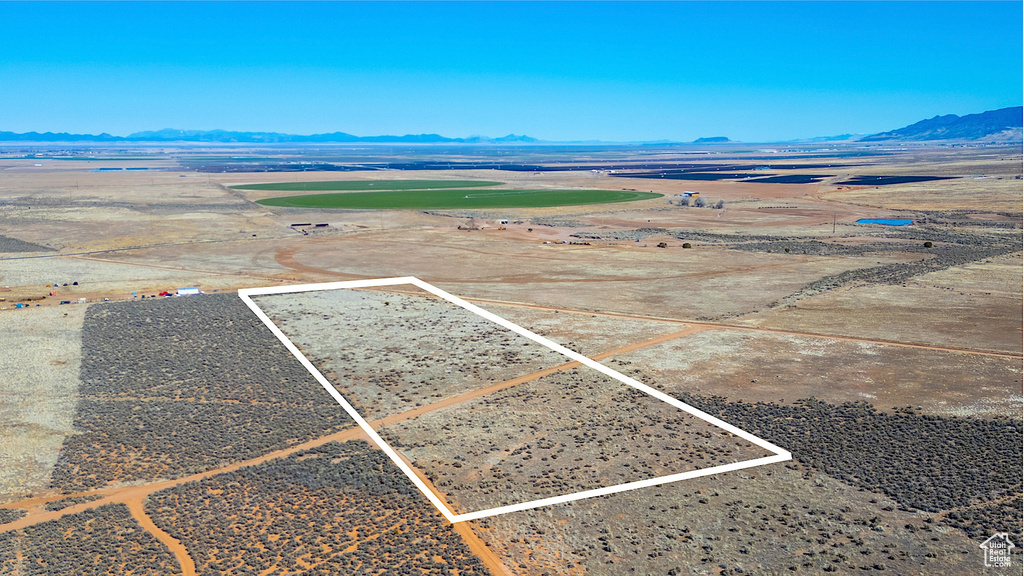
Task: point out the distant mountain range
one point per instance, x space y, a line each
836 138
229 137
1004 124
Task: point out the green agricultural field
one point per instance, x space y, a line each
366 185
448 199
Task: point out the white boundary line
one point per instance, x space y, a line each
780 455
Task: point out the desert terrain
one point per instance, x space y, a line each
146 433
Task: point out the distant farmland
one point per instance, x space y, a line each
446 199
366 185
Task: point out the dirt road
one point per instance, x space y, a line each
134 496
188 567
719 326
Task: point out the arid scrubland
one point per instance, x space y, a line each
41 363
165 435
338 509
393 352
232 392
105 540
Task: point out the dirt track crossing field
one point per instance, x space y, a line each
134 496
778 312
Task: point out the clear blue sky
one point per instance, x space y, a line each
752 71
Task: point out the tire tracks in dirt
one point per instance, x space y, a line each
124 494
498 386
286 258
720 326
134 496
188 566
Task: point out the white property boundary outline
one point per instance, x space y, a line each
780 455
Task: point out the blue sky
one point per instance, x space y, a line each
752 71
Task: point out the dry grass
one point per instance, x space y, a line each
38 389
160 230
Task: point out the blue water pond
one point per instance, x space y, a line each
885 221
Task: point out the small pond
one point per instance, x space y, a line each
885 221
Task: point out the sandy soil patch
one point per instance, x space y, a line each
977 307
615 276
762 367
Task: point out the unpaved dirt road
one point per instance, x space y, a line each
134 496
